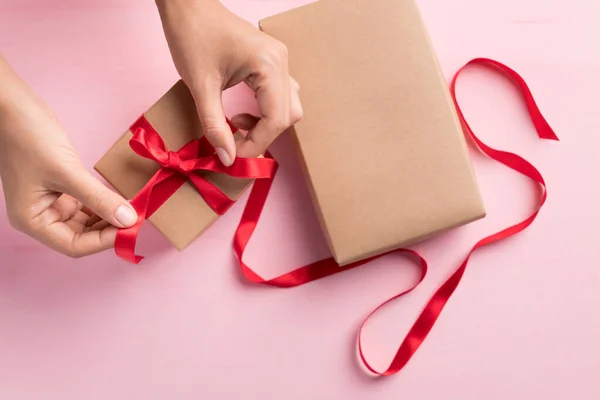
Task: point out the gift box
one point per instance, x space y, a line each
381 144
184 215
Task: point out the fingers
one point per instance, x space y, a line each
63 238
66 207
80 218
272 89
107 204
209 104
296 110
71 236
98 226
294 84
280 106
93 219
244 121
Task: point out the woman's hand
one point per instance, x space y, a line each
213 49
49 194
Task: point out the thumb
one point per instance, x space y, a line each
209 105
108 205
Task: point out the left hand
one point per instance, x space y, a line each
49 193
213 49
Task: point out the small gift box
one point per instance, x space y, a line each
381 144
171 172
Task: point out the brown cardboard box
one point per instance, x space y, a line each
185 215
382 147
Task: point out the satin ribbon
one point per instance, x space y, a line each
177 167
327 267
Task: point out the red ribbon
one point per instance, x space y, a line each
198 155
177 167
433 308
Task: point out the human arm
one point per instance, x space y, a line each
49 194
213 49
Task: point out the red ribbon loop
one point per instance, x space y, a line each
176 168
426 320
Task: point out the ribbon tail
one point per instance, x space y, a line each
543 128
212 196
426 320
437 302
156 191
125 243
126 238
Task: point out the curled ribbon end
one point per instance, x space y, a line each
428 316
126 255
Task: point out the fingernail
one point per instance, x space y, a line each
223 156
126 216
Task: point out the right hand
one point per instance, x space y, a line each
49 194
214 49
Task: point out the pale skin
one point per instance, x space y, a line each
51 196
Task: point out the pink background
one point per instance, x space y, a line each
523 324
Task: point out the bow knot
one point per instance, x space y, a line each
192 157
188 164
174 162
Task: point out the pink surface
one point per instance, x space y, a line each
523 324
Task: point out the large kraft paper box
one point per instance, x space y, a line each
380 141
185 215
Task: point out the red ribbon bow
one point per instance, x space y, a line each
177 167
